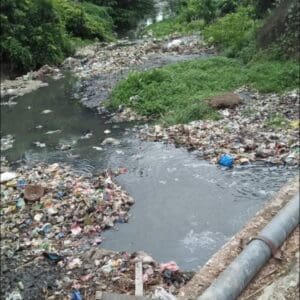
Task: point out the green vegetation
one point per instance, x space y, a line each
191 16
233 32
38 32
175 94
259 39
172 26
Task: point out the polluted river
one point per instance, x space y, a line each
185 208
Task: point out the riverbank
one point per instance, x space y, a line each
52 220
99 67
253 127
96 269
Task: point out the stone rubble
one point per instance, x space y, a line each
262 128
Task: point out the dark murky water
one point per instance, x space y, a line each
185 208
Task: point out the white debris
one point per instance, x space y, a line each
46 111
7 176
54 131
111 141
97 148
40 145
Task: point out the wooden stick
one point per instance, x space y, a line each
139 278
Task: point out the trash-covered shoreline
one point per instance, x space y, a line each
52 220
262 128
51 240
98 67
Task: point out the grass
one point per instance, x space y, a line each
173 25
80 43
175 94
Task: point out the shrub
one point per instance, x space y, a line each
200 9
174 25
226 6
232 32
33 34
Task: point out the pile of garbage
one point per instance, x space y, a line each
262 128
51 224
27 83
96 58
100 67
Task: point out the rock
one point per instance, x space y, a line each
244 161
262 152
228 100
111 141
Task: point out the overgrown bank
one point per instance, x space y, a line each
38 32
176 94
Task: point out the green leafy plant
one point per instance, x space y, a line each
176 93
233 32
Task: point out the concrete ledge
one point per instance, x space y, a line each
220 260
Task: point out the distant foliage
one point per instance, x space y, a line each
226 6
281 29
126 13
200 9
32 34
37 32
232 32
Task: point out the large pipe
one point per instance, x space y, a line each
239 273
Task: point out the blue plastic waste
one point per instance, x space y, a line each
53 256
21 184
76 295
60 194
226 160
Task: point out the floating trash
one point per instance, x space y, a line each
97 148
39 144
226 160
7 142
53 131
46 111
